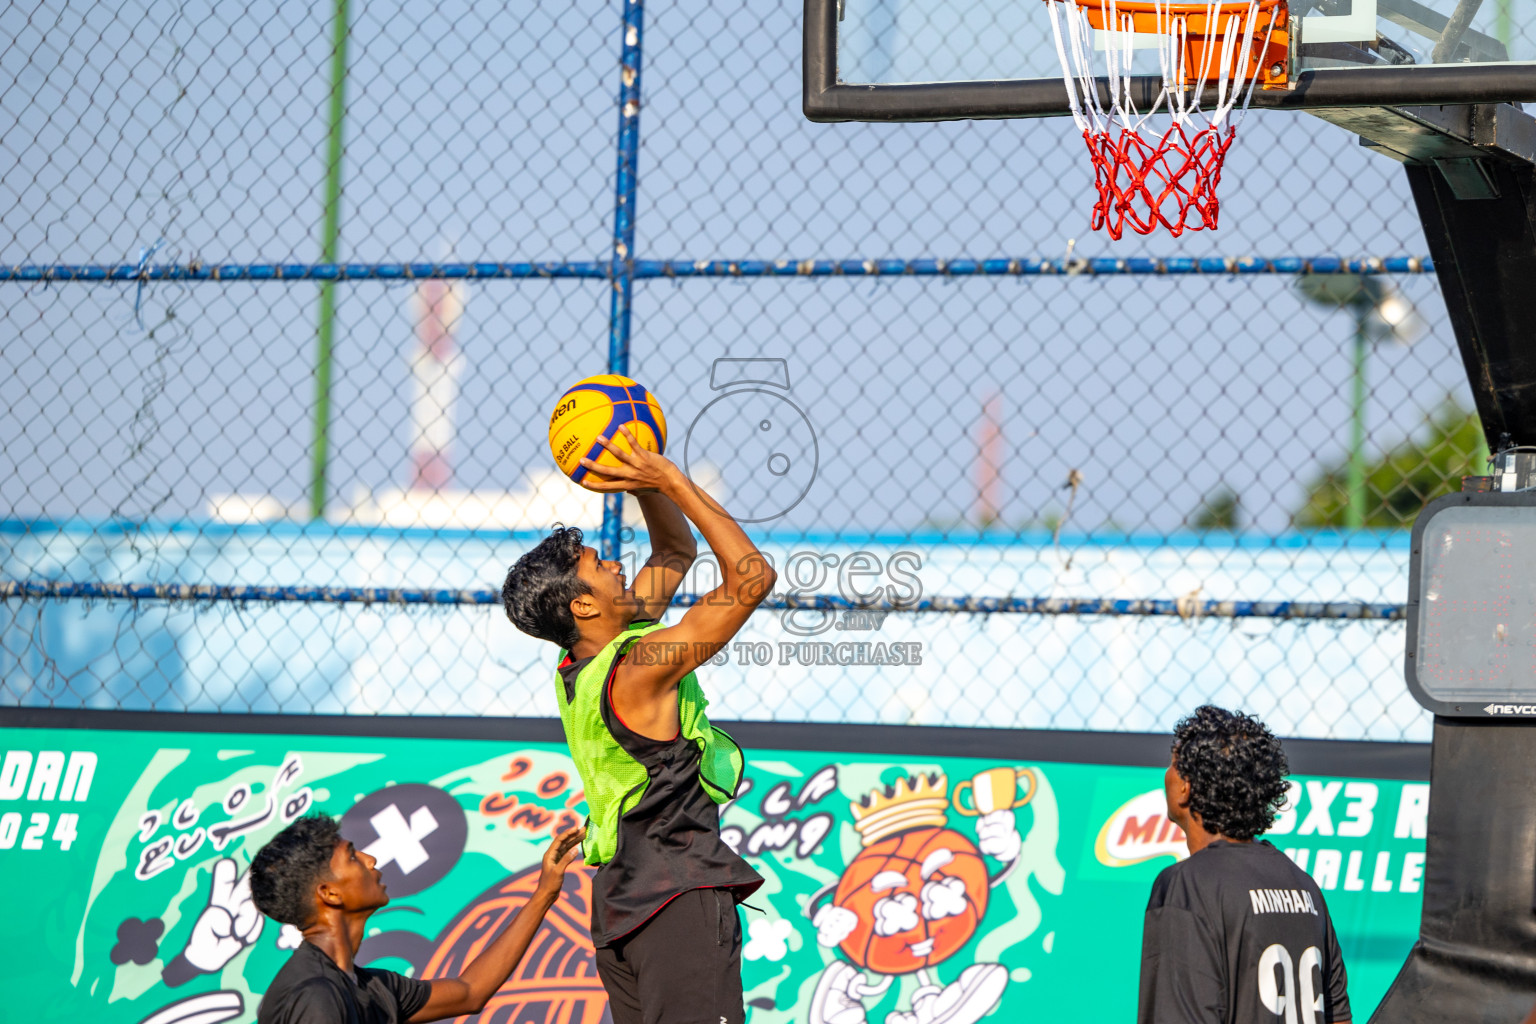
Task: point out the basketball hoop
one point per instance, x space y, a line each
1145 178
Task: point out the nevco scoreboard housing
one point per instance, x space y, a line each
1472 606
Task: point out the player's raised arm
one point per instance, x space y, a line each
470 991
662 658
672 553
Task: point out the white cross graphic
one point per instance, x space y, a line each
398 841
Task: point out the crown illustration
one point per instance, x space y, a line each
913 802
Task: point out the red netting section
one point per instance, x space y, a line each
1170 182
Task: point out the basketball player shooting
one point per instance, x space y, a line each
664 918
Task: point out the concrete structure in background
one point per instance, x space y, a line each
436 365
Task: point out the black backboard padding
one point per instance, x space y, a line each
1475 960
1485 256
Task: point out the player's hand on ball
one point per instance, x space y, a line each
561 853
997 835
639 471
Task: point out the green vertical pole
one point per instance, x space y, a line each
1502 25
331 231
1354 516
1481 464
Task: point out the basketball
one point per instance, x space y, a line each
596 407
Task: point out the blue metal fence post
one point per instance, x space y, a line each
622 273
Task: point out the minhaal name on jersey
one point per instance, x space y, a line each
1282 901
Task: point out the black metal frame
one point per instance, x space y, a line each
1484 246
827 99
1450 709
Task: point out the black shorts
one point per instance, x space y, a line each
683 966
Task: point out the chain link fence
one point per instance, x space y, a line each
277 371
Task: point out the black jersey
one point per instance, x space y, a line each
1238 934
311 989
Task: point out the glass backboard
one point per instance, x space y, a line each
1344 52
897 41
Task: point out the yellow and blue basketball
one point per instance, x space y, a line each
597 407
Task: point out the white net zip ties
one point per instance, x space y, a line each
1067 77
1268 32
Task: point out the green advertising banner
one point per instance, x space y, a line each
901 889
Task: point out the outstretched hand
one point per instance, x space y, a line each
563 851
467 994
639 471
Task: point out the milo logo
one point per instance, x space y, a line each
1139 830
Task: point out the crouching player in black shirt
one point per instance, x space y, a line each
310 877
1236 934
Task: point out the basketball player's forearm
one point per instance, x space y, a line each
471 990
671 539
742 566
490 969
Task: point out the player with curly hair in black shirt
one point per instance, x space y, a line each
1236 933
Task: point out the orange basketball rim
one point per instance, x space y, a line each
1205 26
1161 166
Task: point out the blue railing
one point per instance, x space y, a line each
622 271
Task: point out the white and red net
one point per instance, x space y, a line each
1161 167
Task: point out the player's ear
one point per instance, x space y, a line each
584 607
1177 789
327 894
1181 791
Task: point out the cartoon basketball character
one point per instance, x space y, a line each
915 895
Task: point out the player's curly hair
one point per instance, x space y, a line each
285 871
540 587
1235 768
